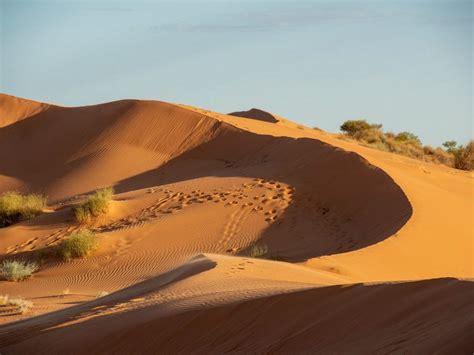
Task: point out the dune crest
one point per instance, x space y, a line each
14 109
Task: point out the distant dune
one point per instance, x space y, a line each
256 114
196 190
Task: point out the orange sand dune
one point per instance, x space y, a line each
190 181
188 311
256 114
14 109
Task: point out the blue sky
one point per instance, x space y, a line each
405 64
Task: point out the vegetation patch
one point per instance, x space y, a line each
14 305
408 144
258 251
78 245
15 207
96 205
17 270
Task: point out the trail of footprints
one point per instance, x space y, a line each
51 239
261 196
266 197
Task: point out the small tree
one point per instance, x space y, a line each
352 127
450 146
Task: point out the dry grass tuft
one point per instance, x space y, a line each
15 207
258 251
78 245
17 270
19 305
96 205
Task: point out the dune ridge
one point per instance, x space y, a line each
14 109
190 182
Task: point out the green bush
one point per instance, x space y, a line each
77 245
258 251
450 146
352 127
363 131
17 270
408 144
15 207
95 205
407 137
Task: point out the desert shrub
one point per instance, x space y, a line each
408 144
371 136
450 146
258 251
390 135
96 205
101 294
4 300
77 245
438 155
17 270
363 131
353 127
409 148
408 137
15 207
21 305
380 146
464 157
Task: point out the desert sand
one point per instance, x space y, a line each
368 251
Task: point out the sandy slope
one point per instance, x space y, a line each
192 181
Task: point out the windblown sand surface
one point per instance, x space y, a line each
370 251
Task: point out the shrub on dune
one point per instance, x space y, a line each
408 144
355 128
77 245
17 270
21 305
258 251
438 155
464 157
96 205
15 207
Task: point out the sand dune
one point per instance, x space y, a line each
256 114
270 317
14 109
190 181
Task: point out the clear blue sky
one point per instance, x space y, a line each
405 64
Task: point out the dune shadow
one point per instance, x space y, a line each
36 325
341 202
295 322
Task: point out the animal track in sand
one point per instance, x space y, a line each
246 196
261 196
34 243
